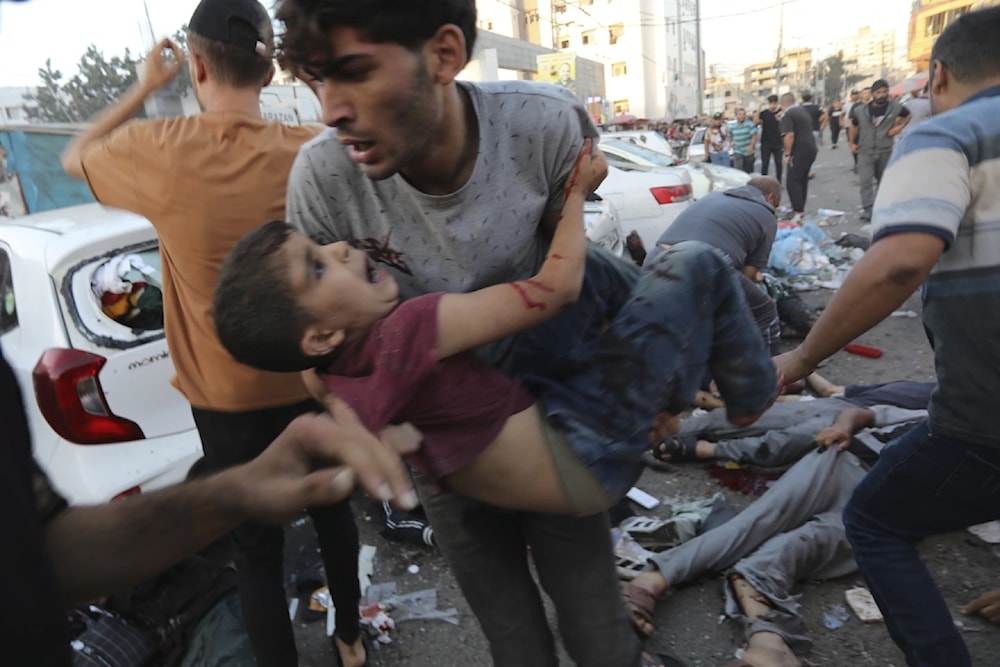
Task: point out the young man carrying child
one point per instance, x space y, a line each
579 449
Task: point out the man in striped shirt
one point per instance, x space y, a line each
936 219
744 138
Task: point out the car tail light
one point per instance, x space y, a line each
669 194
133 491
70 398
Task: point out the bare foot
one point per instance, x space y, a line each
767 649
351 655
707 401
640 598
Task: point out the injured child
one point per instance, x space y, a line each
792 533
609 347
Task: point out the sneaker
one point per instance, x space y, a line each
866 214
796 219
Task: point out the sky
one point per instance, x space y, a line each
735 33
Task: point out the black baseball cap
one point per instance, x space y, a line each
717 115
232 22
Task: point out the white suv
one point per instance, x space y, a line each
81 323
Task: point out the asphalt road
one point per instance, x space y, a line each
687 620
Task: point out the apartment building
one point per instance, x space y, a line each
928 19
650 48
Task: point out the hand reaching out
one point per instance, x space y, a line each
160 70
832 436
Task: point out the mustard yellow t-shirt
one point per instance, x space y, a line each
204 182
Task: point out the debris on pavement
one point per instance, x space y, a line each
863 350
835 616
639 496
863 605
988 532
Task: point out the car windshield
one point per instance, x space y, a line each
647 154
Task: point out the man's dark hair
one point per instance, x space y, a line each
766 185
257 315
968 47
807 97
232 65
405 22
772 98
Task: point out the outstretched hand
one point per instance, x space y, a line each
831 436
792 365
317 460
160 70
986 605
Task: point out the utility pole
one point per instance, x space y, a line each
781 37
698 68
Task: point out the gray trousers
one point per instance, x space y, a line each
791 533
871 166
488 551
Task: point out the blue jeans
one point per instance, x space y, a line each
923 484
725 159
605 368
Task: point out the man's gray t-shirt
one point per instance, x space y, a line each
739 222
488 231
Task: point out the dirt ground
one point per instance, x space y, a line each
688 620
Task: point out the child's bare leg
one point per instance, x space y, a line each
516 471
764 649
823 387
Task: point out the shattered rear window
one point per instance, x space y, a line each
117 300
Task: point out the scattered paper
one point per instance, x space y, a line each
863 605
366 566
637 495
988 532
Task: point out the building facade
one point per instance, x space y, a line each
868 54
650 49
795 68
928 19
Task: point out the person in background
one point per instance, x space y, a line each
744 138
835 114
717 141
771 145
871 135
846 120
819 118
800 152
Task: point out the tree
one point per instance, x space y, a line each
97 84
182 83
834 79
51 104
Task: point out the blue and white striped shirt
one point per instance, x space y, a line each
943 180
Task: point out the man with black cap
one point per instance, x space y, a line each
204 182
871 135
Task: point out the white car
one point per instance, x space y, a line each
644 139
81 324
604 227
705 176
648 201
